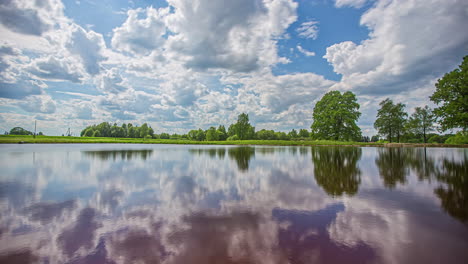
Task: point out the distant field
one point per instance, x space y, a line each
90 140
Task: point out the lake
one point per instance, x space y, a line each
116 203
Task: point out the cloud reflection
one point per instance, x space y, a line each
182 204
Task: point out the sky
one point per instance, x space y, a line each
187 64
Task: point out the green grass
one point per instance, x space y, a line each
93 140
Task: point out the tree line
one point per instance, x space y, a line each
335 116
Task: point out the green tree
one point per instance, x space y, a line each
335 117
89 132
211 134
221 131
452 96
20 131
144 130
242 128
200 135
391 119
266 135
192 134
421 122
164 136
303 133
293 134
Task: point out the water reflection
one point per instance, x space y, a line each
393 165
453 192
336 170
120 154
304 237
242 156
186 204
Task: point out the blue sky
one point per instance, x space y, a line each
183 64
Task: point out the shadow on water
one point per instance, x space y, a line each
336 170
126 154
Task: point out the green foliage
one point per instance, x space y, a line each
164 136
89 132
452 96
335 117
282 136
233 138
459 138
421 122
303 133
242 128
105 129
222 134
211 134
391 119
293 134
266 135
20 131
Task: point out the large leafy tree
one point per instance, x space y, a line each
335 117
421 122
391 119
452 96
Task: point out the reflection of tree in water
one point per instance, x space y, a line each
393 165
127 154
421 163
336 170
454 195
211 152
242 156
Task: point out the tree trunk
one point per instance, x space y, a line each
424 134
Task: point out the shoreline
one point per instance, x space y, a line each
89 140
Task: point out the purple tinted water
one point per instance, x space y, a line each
205 204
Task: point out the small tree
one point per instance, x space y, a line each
222 135
242 128
390 119
303 133
421 122
293 134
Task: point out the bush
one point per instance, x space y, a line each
383 141
459 138
148 137
232 138
435 139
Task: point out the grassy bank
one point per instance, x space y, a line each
12 139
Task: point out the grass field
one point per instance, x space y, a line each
59 139
13 139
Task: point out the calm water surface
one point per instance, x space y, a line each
205 204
